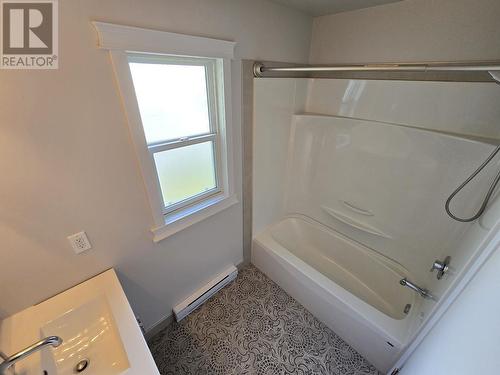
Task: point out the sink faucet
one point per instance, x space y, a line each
53 341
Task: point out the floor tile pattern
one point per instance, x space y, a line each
253 327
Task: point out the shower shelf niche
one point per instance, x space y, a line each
355 223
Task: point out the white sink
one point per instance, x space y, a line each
90 338
96 324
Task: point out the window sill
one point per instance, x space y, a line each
178 221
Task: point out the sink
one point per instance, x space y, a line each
90 341
98 328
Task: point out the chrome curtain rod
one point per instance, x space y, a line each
436 69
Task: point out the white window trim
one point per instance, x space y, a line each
121 41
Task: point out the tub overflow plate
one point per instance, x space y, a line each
82 366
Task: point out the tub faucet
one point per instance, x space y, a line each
53 341
423 292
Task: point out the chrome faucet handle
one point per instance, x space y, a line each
442 267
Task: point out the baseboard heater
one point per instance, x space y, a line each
184 308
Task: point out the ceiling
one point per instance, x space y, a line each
322 7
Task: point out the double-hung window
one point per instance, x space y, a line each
176 93
177 99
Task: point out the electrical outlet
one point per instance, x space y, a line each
79 242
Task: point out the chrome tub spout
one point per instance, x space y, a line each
423 292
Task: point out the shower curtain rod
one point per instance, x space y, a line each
477 71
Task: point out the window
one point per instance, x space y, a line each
177 99
176 90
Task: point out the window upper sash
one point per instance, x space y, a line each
212 90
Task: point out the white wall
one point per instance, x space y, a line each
410 30
465 341
67 162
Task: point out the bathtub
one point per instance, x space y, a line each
349 287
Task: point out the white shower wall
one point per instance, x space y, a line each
275 102
456 107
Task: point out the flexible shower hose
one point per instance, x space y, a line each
486 198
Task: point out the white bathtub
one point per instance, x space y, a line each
349 287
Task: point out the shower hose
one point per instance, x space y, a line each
487 196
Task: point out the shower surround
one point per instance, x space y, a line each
345 208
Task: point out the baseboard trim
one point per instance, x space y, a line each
159 326
243 264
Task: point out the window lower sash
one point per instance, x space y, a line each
191 201
184 142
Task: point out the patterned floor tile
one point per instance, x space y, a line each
253 327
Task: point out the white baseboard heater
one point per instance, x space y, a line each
184 308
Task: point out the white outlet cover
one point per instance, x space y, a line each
79 242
